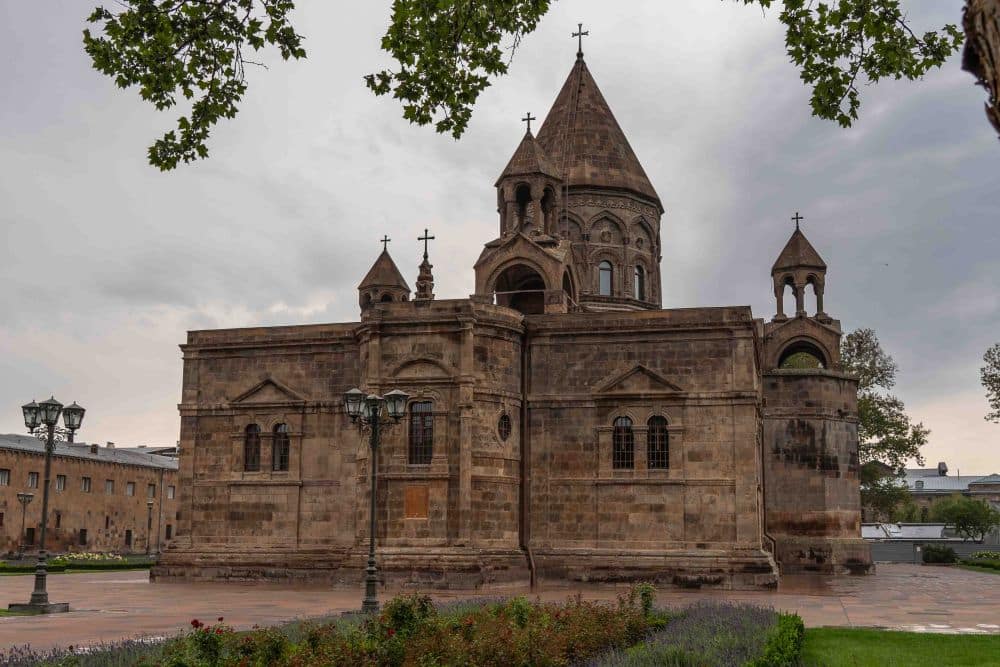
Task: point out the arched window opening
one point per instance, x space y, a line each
522 195
814 306
802 355
549 208
421 447
640 283
522 288
567 286
251 448
657 444
623 445
788 297
504 427
280 449
605 282
386 298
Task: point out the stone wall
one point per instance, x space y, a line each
812 497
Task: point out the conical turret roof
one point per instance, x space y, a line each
384 273
529 158
584 141
798 253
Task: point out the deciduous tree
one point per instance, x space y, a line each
972 518
447 51
990 376
887 438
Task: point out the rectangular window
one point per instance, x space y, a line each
4 477
60 482
32 480
85 484
128 539
1 519
109 486
58 519
29 535
421 433
623 444
170 492
151 490
107 522
83 537
130 489
170 531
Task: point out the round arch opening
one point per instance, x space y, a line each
522 288
802 355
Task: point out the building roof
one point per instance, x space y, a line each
81 450
932 481
529 158
384 273
904 531
798 253
584 142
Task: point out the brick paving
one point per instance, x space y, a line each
112 605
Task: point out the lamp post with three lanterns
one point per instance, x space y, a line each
41 420
372 413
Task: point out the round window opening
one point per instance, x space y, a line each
503 426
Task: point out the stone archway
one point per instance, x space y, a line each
522 288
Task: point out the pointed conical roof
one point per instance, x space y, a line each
529 158
384 273
584 141
798 253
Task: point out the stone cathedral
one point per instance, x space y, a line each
561 424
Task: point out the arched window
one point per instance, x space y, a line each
421 433
605 272
280 448
657 443
251 448
640 283
523 198
623 450
504 426
386 298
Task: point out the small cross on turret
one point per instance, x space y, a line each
385 243
797 218
528 118
580 34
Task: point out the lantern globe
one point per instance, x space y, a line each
372 407
396 403
353 399
32 416
49 411
73 416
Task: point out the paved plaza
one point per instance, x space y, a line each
112 605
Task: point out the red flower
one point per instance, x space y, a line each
390 632
218 631
220 619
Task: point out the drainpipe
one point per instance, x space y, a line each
525 463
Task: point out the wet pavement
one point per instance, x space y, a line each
107 606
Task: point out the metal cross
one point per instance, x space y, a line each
385 243
425 238
797 218
528 118
580 34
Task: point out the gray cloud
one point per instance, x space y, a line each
107 262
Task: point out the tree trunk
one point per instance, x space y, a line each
982 51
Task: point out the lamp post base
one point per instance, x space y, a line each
38 607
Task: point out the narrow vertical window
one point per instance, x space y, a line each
109 486
32 480
251 448
60 482
130 489
657 443
605 272
280 448
421 433
623 440
640 283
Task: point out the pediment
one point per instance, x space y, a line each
268 390
637 380
519 246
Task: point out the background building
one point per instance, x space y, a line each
97 497
927 485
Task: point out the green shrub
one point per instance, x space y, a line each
939 553
982 562
986 555
784 644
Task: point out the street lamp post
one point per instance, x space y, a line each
24 499
149 523
37 415
371 413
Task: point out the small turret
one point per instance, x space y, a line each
383 283
799 265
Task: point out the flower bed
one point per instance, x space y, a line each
411 630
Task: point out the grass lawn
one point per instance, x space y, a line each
833 647
8 612
973 568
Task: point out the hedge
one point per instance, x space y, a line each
982 562
76 566
784 644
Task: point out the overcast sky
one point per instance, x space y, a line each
107 262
